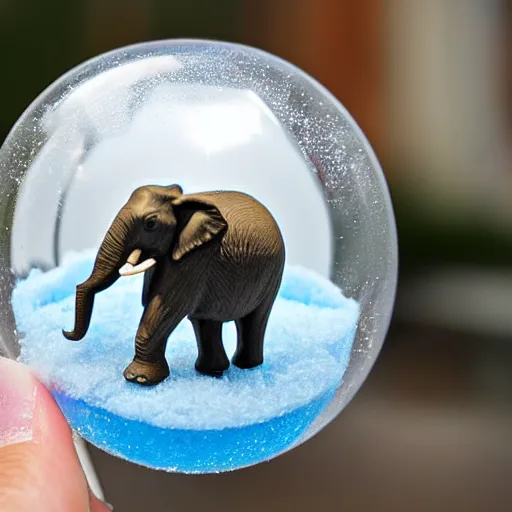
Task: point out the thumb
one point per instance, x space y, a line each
39 467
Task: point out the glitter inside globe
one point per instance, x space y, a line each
208 116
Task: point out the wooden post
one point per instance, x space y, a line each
338 42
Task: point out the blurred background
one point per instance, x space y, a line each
430 83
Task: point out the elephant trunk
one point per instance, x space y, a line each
111 256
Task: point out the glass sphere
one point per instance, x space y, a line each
208 116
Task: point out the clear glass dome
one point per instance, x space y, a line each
208 116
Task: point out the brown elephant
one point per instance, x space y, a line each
213 257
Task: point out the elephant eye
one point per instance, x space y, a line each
150 224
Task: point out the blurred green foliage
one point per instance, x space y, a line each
425 241
205 19
38 42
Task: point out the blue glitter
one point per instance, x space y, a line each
190 451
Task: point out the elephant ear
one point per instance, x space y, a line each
203 223
174 191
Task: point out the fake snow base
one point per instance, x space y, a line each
188 423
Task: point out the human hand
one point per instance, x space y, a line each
39 466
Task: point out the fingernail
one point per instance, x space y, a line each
94 501
17 403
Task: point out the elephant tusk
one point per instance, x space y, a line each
130 262
134 257
129 270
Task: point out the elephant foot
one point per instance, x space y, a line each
246 362
146 374
211 369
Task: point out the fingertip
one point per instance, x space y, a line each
39 466
18 390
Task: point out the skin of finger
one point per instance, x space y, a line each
44 474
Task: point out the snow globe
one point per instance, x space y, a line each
189 117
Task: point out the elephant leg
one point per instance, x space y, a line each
251 334
212 359
149 366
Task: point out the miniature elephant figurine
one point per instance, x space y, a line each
213 257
